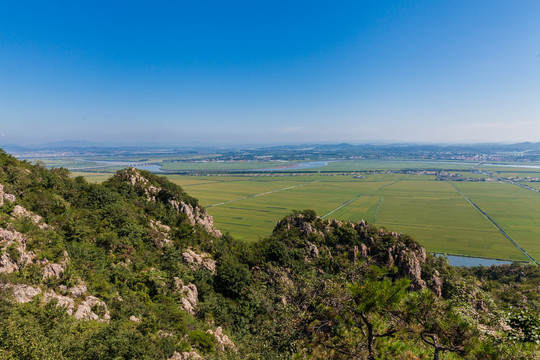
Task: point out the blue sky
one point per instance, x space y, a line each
270 71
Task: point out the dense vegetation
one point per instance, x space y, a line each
314 289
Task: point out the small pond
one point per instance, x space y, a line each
467 261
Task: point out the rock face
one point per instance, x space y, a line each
7 264
409 265
5 196
379 246
134 177
222 340
63 301
192 355
160 236
436 284
87 307
85 311
52 270
312 250
14 254
202 260
300 222
189 295
20 212
78 290
196 216
22 293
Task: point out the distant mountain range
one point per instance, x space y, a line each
70 145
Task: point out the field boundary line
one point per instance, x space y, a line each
377 209
261 194
521 185
358 197
496 225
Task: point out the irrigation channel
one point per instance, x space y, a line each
496 225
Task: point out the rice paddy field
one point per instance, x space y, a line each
441 215
433 212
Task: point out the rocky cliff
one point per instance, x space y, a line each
196 214
361 241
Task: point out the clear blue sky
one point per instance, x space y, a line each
270 71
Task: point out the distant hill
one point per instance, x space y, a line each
89 145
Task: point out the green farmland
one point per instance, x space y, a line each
433 212
438 214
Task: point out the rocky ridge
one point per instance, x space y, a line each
379 246
195 214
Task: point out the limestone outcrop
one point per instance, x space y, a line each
13 248
436 284
5 196
52 270
135 178
63 301
196 216
87 308
185 355
7 264
312 250
202 260
298 221
20 212
78 290
160 235
22 293
222 340
189 295
379 246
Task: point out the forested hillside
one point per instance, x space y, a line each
133 268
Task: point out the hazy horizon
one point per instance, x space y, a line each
270 73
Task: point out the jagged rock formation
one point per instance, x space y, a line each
189 295
20 212
88 306
161 233
222 340
436 284
5 196
53 270
195 214
61 300
382 247
300 222
313 250
78 290
13 248
23 293
202 260
185 355
134 177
